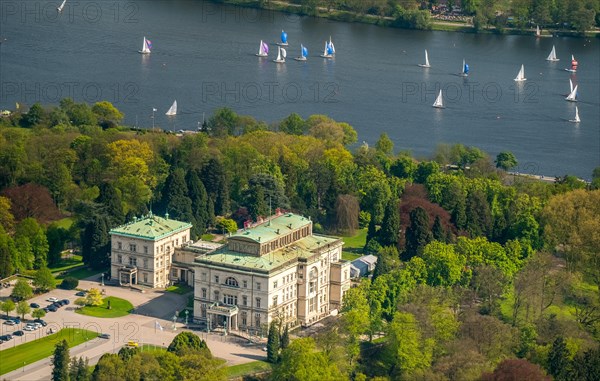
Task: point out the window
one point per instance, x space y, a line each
275 284
275 300
312 304
244 318
244 300
232 282
133 261
258 286
119 245
145 249
216 279
132 247
245 284
216 295
203 276
174 273
204 293
230 299
257 302
203 308
145 278
257 320
145 263
119 258
311 287
177 242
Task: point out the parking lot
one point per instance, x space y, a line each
152 310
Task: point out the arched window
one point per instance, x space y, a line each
231 281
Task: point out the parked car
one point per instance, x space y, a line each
9 322
80 293
6 337
16 320
52 308
29 328
46 309
34 305
57 304
66 301
18 333
52 299
104 336
42 322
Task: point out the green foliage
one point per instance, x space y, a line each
60 362
7 306
23 308
389 234
558 359
186 342
417 234
506 160
22 290
407 350
444 266
273 343
69 283
302 361
93 297
44 280
38 313
293 124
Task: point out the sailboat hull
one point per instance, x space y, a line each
300 58
571 70
143 52
326 55
279 61
424 65
261 55
282 43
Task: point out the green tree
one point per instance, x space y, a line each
389 234
199 198
108 116
110 199
586 365
444 265
273 343
302 362
175 200
255 201
93 297
404 167
8 306
293 125
31 234
417 234
34 116
214 178
385 145
23 309
285 338
22 290
7 254
437 230
558 359
69 283
188 341
479 217
78 370
110 367
408 351
38 313
506 160
57 237
95 242
223 122
226 225
44 280
60 362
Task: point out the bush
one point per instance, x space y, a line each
69 283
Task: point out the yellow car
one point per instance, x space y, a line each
132 343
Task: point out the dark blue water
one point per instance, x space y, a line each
203 56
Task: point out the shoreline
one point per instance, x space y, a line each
387 22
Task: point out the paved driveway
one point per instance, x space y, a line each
150 307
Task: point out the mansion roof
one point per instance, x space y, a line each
272 228
150 227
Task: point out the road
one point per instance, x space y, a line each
150 307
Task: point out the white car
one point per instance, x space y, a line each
9 322
52 300
37 325
28 328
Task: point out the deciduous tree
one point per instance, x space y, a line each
23 308
44 280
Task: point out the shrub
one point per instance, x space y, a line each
69 283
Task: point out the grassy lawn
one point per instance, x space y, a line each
207 237
118 307
248 368
180 289
353 245
80 273
67 264
152 348
13 358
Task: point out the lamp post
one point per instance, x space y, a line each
186 318
102 277
207 323
153 111
174 321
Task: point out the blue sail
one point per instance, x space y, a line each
283 37
329 48
304 51
466 69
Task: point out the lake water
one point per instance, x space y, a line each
203 56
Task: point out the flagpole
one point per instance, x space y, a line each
153 110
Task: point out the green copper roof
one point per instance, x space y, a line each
273 228
303 248
151 227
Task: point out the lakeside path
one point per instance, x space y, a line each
150 307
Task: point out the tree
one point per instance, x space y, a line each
31 234
44 280
8 252
7 220
31 200
293 125
110 367
389 234
255 201
95 242
516 369
444 265
437 230
506 160
57 237
586 366
60 362
93 297
273 343
23 309
214 178
199 197
81 302
302 362
112 204
78 370
285 338
34 116
107 114
479 217
8 306
185 342
22 290
417 234
385 145
558 359
406 347
69 283
38 313
226 225
346 214
175 200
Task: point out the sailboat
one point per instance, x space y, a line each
283 39
521 75
303 53
576 120
263 49
172 110
538 33
146 46
574 63
331 46
328 51
552 55
281 54
61 6
426 64
573 95
465 70
439 102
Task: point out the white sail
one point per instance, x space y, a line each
537 31
145 47
570 85
426 64
573 95
283 53
439 102
61 6
552 55
576 120
261 50
521 75
172 110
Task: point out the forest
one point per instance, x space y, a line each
481 275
